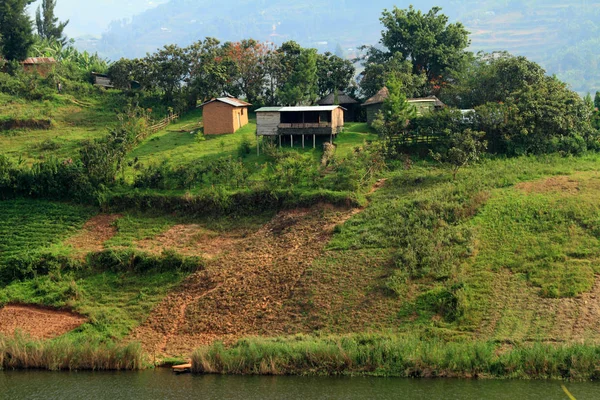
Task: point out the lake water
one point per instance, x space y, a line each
162 384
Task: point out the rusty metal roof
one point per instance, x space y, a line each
39 60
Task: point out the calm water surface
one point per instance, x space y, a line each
162 384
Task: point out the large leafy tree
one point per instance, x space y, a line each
375 76
48 26
248 58
433 46
210 70
334 73
16 30
297 75
170 66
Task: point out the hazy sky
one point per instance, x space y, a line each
93 17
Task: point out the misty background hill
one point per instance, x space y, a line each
561 35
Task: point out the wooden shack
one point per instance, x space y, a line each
40 65
224 115
423 105
102 80
352 106
300 122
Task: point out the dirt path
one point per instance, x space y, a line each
39 323
244 291
94 234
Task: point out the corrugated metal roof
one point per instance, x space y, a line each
309 108
39 60
269 109
232 101
299 109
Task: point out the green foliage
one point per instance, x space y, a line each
435 47
377 72
408 356
301 85
16 31
334 73
396 112
464 148
29 226
47 24
64 354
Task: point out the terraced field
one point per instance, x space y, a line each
30 225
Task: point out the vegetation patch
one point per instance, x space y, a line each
398 356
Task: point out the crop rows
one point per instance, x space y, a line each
27 225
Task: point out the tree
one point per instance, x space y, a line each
48 26
375 76
493 77
464 148
434 47
170 66
396 111
248 57
210 70
16 31
121 73
333 73
299 74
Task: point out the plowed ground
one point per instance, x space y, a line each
248 289
39 323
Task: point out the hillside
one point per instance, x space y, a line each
561 36
508 253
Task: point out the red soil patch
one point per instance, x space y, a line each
95 233
562 184
39 323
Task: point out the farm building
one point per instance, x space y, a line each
101 80
348 103
423 105
224 115
300 122
41 65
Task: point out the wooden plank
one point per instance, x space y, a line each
182 368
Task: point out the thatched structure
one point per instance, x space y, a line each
351 105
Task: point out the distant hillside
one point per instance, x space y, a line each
561 35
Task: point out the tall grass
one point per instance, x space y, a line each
390 355
20 352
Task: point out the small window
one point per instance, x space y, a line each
242 111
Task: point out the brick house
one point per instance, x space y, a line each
224 115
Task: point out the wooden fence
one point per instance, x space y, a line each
162 124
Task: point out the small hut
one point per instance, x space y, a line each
224 115
348 103
102 80
40 65
423 105
375 103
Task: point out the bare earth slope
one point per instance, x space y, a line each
245 291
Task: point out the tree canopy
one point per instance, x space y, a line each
16 31
48 26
